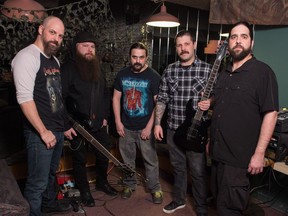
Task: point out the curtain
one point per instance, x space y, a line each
260 12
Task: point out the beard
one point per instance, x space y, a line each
239 55
137 67
88 68
51 47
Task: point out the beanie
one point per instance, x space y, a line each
84 37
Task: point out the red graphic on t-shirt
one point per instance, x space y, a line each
133 98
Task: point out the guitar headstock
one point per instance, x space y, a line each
127 170
222 51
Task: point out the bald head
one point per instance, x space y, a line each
52 20
50 35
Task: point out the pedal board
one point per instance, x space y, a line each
73 193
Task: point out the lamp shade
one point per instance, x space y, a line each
163 19
29 10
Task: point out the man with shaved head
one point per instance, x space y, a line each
36 73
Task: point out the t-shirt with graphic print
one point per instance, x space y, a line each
37 77
138 91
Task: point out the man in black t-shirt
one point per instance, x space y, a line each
135 91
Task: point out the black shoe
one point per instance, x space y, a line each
87 199
106 188
173 206
57 208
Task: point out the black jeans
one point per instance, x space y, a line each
197 168
80 147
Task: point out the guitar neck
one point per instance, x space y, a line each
96 144
208 88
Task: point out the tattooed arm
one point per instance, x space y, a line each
159 112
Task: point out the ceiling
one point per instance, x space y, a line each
200 4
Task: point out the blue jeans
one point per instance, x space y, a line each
197 167
42 166
127 147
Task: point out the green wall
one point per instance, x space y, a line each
271 47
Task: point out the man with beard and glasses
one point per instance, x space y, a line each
245 105
180 89
37 79
135 92
88 103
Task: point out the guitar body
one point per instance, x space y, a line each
192 135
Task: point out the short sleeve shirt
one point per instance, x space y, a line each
242 98
138 91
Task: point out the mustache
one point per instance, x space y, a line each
137 64
89 54
238 46
54 42
184 52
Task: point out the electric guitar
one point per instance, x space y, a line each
128 171
192 134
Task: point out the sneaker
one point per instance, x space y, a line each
157 197
172 207
126 193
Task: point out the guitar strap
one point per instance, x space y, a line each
94 100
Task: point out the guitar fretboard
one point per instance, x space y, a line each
208 88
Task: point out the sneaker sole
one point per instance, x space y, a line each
173 210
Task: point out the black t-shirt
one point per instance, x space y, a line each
138 91
48 95
242 98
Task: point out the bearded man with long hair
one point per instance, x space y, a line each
87 102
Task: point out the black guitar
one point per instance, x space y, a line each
192 135
81 130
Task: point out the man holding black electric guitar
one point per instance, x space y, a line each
180 89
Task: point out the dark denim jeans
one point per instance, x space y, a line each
127 147
42 166
197 168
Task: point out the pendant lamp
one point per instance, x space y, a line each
26 10
163 19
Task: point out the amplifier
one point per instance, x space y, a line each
282 122
279 139
279 143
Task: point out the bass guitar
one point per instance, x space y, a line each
127 170
192 134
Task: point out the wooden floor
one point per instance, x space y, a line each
140 204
